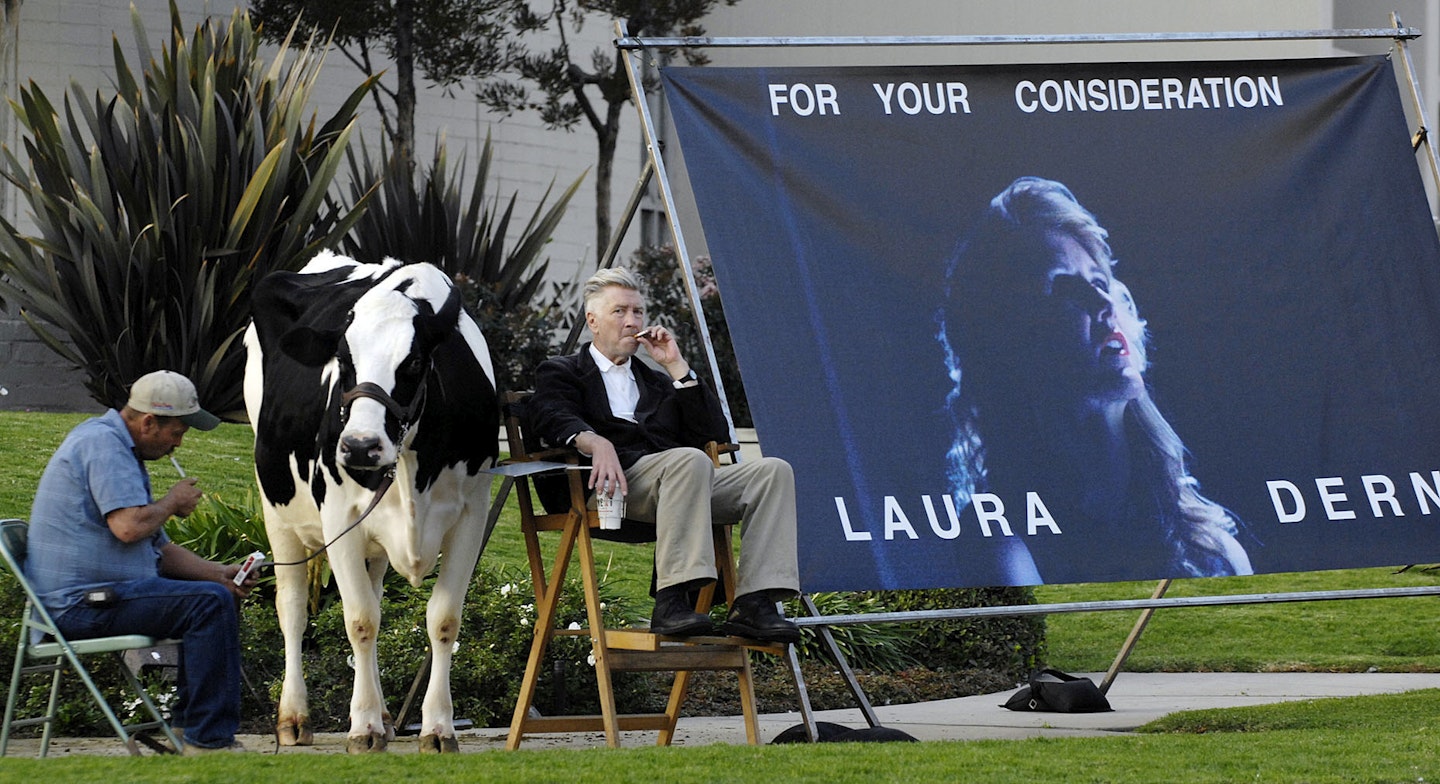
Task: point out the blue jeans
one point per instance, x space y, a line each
204 617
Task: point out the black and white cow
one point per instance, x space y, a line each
355 371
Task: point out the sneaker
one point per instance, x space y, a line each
191 750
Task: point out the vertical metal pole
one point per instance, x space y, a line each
1422 135
1134 637
652 148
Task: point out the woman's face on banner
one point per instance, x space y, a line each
1096 335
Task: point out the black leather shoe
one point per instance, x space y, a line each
675 616
754 616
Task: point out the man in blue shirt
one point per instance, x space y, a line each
102 564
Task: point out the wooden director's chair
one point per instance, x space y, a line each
563 510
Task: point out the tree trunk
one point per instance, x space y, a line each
604 171
405 83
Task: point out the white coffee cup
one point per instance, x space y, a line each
611 507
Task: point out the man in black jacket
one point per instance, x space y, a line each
644 432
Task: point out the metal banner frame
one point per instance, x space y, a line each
631 48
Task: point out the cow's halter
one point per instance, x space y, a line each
406 416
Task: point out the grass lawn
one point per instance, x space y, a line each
1391 635
1386 738
1389 738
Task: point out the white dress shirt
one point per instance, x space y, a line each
620 386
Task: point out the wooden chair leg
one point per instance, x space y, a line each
678 689
599 647
747 704
725 561
547 603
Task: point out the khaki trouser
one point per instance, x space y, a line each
684 493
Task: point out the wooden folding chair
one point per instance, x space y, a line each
42 648
615 650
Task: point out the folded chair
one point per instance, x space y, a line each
42 648
549 476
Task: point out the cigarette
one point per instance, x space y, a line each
178 469
645 333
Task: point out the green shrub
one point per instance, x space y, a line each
522 336
865 646
221 530
1011 644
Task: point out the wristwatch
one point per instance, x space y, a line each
687 379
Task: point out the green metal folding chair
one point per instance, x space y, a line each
42 648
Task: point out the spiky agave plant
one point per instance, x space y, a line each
158 204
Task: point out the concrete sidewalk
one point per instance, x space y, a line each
1137 698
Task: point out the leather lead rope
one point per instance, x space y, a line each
374 502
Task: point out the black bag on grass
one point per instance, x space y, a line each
1053 690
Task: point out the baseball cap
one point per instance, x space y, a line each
167 393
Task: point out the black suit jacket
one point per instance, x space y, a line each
570 398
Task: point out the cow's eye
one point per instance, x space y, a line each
412 367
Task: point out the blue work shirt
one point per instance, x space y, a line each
71 548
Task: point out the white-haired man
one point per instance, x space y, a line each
644 431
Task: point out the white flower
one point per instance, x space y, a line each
506 589
590 660
574 626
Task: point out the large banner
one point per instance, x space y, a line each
1063 323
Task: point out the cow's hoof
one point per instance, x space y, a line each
295 734
434 744
365 744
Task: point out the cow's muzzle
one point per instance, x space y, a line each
361 452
